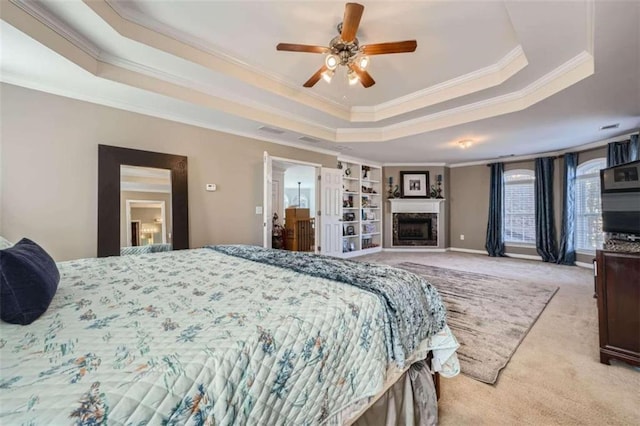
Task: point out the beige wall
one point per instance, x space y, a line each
50 171
469 214
469 206
136 195
469 202
433 172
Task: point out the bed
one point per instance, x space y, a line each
220 335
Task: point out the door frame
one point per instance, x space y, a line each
268 212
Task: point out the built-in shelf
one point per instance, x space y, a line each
364 182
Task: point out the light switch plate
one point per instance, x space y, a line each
258 209
211 187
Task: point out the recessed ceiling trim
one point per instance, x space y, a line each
142 30
58 26
569 73
150 37
47 88
482 79
414 164
27 20
512 159
560 78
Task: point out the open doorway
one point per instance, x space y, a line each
291 209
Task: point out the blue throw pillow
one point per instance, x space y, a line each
28 281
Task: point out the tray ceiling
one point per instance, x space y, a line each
214 64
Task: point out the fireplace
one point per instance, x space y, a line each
415 229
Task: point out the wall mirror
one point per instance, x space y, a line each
142 201
145 209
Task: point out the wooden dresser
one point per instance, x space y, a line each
618 289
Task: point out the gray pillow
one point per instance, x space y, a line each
4 243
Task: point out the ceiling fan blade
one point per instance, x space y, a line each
316 77
292 47
365 78
351 21
392 47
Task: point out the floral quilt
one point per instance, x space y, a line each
192 337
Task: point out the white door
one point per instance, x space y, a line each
331 208
267 201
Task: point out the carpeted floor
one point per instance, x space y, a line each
555 377
489 315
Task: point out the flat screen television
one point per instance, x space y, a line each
620 195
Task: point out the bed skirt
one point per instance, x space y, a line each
411 400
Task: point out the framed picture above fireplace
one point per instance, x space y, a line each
414 184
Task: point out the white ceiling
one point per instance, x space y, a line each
516 77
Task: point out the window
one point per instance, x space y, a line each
519 207
589 234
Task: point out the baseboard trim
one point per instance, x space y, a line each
514 255
585 265
415 250
464 250
523 256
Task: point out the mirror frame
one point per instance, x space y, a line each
110 158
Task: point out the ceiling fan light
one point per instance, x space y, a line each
363 62
331 61
353 78
327 75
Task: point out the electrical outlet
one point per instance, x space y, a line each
462 236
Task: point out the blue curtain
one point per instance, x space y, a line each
545 226
567 252
495 239
622 152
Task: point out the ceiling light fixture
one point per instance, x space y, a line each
331 61
328 75
363 62
353 78
466 143
345 50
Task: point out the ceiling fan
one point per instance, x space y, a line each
345 50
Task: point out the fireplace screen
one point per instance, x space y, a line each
415 229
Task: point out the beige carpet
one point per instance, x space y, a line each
555 377
489 315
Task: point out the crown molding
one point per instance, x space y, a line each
414 164
98 100
216 62
358 160
51 21
494 74
138 27
146 78
142 20
580 148
567 74
481 79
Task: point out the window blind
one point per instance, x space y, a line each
519 207
589 235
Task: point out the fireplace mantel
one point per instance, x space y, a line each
412 205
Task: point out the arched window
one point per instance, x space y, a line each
589 234
519 207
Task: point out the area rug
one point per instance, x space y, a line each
488 315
